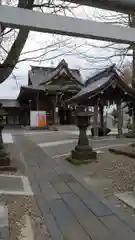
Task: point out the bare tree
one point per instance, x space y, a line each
106 53
127 74
13 41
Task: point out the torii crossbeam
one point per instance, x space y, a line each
50 23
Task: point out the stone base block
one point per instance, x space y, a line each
4 161
82 157
1 146
3 154
134 191
8 168
78 162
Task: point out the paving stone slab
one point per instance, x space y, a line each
3 215
11 183
93 226
49 192
74 217
49 220
118 227
128 220
44 176
4 230
68 178
54 231
92 202
69 226
4 233
61 187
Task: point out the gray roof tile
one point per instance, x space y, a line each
41 75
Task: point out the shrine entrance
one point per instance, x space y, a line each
50 90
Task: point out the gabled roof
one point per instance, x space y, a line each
42 75
99 75
102 83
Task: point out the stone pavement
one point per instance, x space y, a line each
70 208
4 231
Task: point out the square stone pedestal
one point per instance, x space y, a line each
4 158
82 156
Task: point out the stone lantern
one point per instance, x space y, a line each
83 152
4 159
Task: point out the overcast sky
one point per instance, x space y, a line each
10 88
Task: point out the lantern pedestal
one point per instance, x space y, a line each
83 153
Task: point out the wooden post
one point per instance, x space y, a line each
96 119
101 110
37 101
54 108
119 118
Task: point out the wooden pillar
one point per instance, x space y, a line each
101 111
54 109
96 119
119 113
54 113
37 101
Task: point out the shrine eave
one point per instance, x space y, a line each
102 89
30 91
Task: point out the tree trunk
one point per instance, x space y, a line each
11 60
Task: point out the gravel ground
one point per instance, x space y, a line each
119 169
110 174
18 207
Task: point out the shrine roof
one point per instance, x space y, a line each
10 103
27 91
102 82
42 75
51 89
99 74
